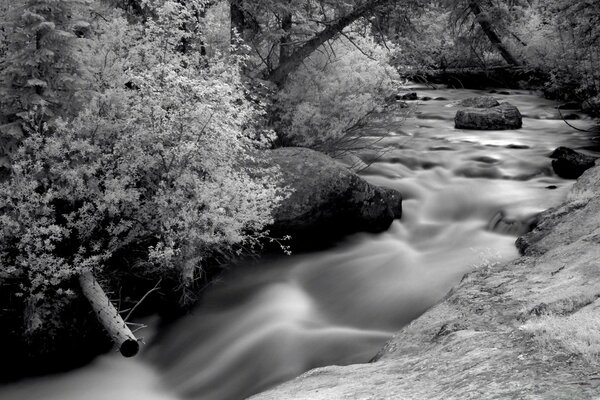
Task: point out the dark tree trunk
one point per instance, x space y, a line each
489 31
238 19
108 316
280 74
285 47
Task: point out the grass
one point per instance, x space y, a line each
577 333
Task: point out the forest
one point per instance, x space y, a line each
134 133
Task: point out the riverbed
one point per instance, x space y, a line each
267 322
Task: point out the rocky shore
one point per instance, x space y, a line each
528 329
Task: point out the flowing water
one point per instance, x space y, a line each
268 322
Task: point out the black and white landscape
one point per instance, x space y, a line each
231 199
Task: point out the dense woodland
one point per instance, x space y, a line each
132 131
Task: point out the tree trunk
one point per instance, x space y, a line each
491 33
108 315
280 74
238 19
285 47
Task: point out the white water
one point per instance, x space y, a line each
269 322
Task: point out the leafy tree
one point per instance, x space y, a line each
283 33
333 92
158 173
41 63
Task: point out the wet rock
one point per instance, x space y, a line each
499 117
407 96
486 160
440 148
328 200
518 147
503 224
570 164
571 117
504 93
570 106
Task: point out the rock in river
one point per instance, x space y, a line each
328 200
485 113
570 164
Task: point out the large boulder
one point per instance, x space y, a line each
570 164
328 200
485 113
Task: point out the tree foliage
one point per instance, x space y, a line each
41 59
333 91
161 162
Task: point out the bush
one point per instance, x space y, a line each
167 170
335 89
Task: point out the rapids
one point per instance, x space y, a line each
270 321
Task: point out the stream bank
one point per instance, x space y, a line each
529 328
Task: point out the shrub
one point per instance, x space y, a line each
168 169
333 91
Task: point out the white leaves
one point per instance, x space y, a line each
36 83
159 157
334 90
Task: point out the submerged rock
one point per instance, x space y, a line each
486 114
328 200
571 164
503 224
524 329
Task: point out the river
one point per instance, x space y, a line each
268 322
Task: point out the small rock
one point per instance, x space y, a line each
504 93
425 98
569 106
485 160
440 148
441 99
552 187
408 96
570 164
518 147
570 117
501 223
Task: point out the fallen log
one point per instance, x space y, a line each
108 316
